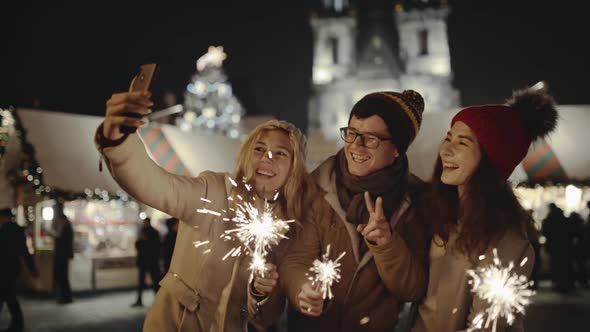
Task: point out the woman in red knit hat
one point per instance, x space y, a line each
473 209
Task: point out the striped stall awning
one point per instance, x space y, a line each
163 153
541 163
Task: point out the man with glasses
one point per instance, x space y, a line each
371 206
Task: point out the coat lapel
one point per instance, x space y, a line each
332 199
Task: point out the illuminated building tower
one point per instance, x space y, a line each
389 47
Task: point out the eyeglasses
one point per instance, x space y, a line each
368 140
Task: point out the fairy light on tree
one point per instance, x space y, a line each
6 129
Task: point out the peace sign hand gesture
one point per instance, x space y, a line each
377 229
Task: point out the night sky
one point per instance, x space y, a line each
70 56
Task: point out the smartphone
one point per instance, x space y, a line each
141 82
143 79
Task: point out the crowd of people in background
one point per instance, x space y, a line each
567 242
153 257
13 250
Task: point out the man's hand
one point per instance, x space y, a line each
377 229
311 302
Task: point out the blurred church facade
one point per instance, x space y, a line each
366 48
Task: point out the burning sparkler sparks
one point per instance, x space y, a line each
258 264
506 292
256 230
326 273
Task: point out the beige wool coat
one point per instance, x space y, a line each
201 291
449 305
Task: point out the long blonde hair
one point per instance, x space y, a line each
298 192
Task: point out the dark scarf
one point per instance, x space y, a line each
390 183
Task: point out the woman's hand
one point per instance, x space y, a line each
119 108
265 285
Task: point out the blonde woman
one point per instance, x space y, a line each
200 292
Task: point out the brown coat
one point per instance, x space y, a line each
449 304
371 288
200 292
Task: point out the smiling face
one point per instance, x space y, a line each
272 157
460 154
363 161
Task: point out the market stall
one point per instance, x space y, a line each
105 220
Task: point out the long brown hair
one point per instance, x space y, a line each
487 209
299 191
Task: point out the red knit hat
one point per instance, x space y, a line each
505 132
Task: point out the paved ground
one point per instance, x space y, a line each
552 311
89 313
111 312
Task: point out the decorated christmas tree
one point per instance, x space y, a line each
209 103
25 169
6 129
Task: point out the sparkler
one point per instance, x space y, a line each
326 273
258 264
506 292
256 230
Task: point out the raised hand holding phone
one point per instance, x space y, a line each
140 83
125 110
